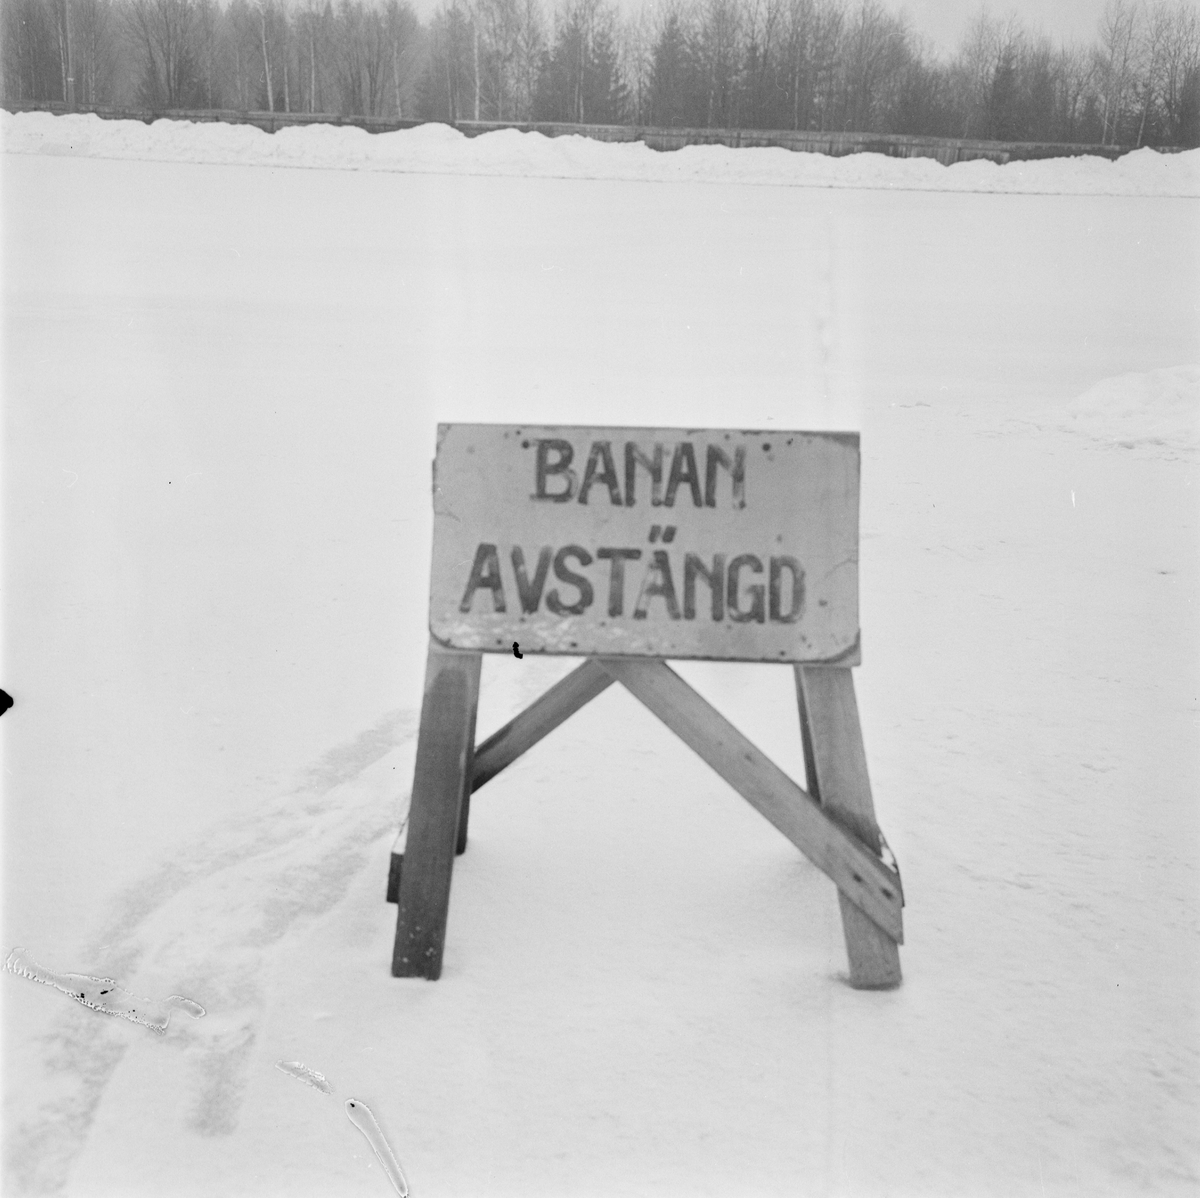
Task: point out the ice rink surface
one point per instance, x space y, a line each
221 387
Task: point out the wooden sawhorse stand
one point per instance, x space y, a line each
833 823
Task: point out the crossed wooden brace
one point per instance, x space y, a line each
833 823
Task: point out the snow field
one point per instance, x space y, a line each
644 985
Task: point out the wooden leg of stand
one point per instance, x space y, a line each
464 815
837 776
852 866
442 775
464 807
539 719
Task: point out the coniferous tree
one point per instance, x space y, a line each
922 100
447 87
717 58
674 82
762 92
1002 100
580 79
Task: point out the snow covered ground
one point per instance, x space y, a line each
221 379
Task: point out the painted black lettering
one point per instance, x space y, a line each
755 612
792 566
560 465
693 568
683 470
616 576
715 457
634 456
658 581
601 453
531 592
485 575
586 594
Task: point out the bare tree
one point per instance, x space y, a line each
1075 71
718 55
875 51
244 54
209 47
95 51
1178 69
448 86
762 25
264 12
163 32
1117 61
494 56
404 43
530 47
988 44
31 54
313 35
810 52
1155 32
364 60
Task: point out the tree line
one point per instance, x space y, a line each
824 65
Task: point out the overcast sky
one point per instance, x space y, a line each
944 21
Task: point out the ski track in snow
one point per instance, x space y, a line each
298 854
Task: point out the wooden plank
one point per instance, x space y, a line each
464 815
874 957
857 873
464 807
443 766
837 770
539 719
505 745
396 864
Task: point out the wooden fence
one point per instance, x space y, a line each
946 150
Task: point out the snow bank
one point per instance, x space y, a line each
438 149
1156 412
1157 408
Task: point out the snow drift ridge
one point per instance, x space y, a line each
439 149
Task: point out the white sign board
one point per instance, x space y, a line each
648 542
